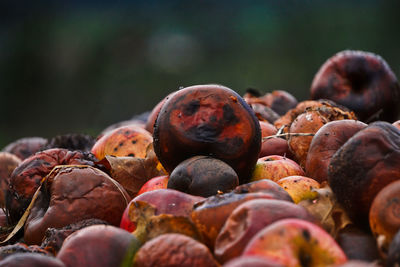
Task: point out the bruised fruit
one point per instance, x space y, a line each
165 201
25 147
327 140
384 215
203 176
99 245
71 194
361 81
210 215
296 243
126 141
26 178
210 120
249 218
174 250
275 167
299 187
364 165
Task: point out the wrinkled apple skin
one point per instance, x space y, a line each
361 81
365 164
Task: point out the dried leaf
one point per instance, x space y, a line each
131 172
327 210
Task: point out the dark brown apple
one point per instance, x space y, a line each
210 120
174 250
203 176
365 164
361 81
71 194
26 178
327 140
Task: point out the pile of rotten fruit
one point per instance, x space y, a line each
212 178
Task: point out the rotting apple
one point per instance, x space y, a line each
174 250
165 201
327 140
299 187
128 141
203 176
275 167
364 165
296 242
361 81
113 246
249 218
210 120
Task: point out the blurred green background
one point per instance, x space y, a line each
79 66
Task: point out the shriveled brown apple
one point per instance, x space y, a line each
361 81
249 218
26 178
209 120
210 215
71 194
174 250
363 166
266 186
327 140
203 176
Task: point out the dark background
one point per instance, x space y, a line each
79 66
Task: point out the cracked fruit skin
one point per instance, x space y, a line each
210 120
296 243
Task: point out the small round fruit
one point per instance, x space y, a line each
203 176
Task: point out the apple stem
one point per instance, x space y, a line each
288 135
